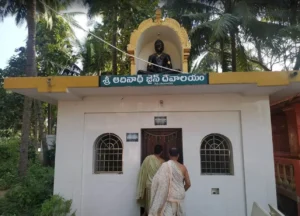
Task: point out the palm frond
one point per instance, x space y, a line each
242 61
277 14
205 6
21 15
208 63
72 14
71 21
243 12
198 16
200 38
47 16
223 25
291 32
262 30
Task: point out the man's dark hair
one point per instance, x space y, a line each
158 149
173 152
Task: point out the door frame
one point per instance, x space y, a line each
180 140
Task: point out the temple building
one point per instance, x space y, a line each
107 125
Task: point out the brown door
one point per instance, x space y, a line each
167 137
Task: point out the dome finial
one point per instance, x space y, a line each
158 15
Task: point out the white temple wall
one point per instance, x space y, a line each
244 120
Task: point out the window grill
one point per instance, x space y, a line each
108 154
216 156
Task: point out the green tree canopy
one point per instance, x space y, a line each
119 19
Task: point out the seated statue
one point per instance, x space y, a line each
158 58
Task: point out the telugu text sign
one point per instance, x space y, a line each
153 80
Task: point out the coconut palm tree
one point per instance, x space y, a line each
223 27
287 15
28 10
120 18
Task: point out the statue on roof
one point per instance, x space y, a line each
158 58
175 38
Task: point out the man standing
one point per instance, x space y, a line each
168 188
147 171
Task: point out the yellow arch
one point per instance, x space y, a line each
168 22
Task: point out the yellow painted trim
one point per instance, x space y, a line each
259 78
55 84
60 84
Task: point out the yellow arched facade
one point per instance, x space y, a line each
168 22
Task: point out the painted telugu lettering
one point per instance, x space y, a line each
154 79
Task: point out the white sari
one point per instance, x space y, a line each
167 191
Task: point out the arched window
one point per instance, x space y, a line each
108 154
216 155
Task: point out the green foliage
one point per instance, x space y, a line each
9 156
27 196
121 18
96 54
57 206
19 9
53 46
271 26
11 104
221 26
209 63
10 112
31 195
54 51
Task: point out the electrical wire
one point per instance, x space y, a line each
102 40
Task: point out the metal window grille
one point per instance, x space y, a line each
216 156
108 154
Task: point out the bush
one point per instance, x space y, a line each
9 161
57 206
32 195
9 157
26 197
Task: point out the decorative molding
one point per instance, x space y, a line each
158 21
168 22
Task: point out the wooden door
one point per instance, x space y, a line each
167 137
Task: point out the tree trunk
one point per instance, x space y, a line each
233 51
35 125
114 42
297 64
42 135
223 60
25 137
258 49
49 119
30 70
294 11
